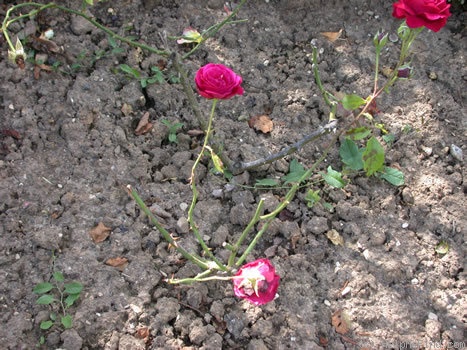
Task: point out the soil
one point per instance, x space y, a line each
69 149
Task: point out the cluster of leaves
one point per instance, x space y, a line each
156 76
173 128
60 296
370 158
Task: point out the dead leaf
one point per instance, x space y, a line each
126 109
335 237
143 333
332 36
99 233
118 262
144 125
261 123
195 132
386 71
340 321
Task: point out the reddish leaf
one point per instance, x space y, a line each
99 233
261 123
118 262
144 125
10 132
340 322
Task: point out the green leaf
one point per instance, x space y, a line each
216 160
42 288
112 42
70 299
45 299
46 324
351 155
333 178
312 197
442 247
144 83
58 276
373 156
389 138
89 2
358 133
393 176
131 71
352 102
173 138
266 182
296 171
67 321
73 288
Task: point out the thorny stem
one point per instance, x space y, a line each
268 218
189 256
240 167
195 192
234 249
42 7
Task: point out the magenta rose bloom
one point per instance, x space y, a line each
432 14
256 282
218 81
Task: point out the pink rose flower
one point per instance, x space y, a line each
432 14
218 81
256 282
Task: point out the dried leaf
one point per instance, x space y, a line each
332 36
143 333
126 109
144 125
340 321
335 237
195 132
118 262
99 233
261 123
386 71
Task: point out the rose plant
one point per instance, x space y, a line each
257 281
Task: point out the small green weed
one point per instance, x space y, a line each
157 76
60 296
173 128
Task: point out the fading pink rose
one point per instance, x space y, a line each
432 14
218 81
256 282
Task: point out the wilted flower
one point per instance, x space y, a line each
17 55
404 72
190 35
256 282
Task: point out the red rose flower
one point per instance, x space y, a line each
432 14
256 282
218 81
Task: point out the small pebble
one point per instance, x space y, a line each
345 291
414 281
456 152
405 225
393 38
433 316
327 302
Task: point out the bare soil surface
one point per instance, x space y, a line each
68 150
